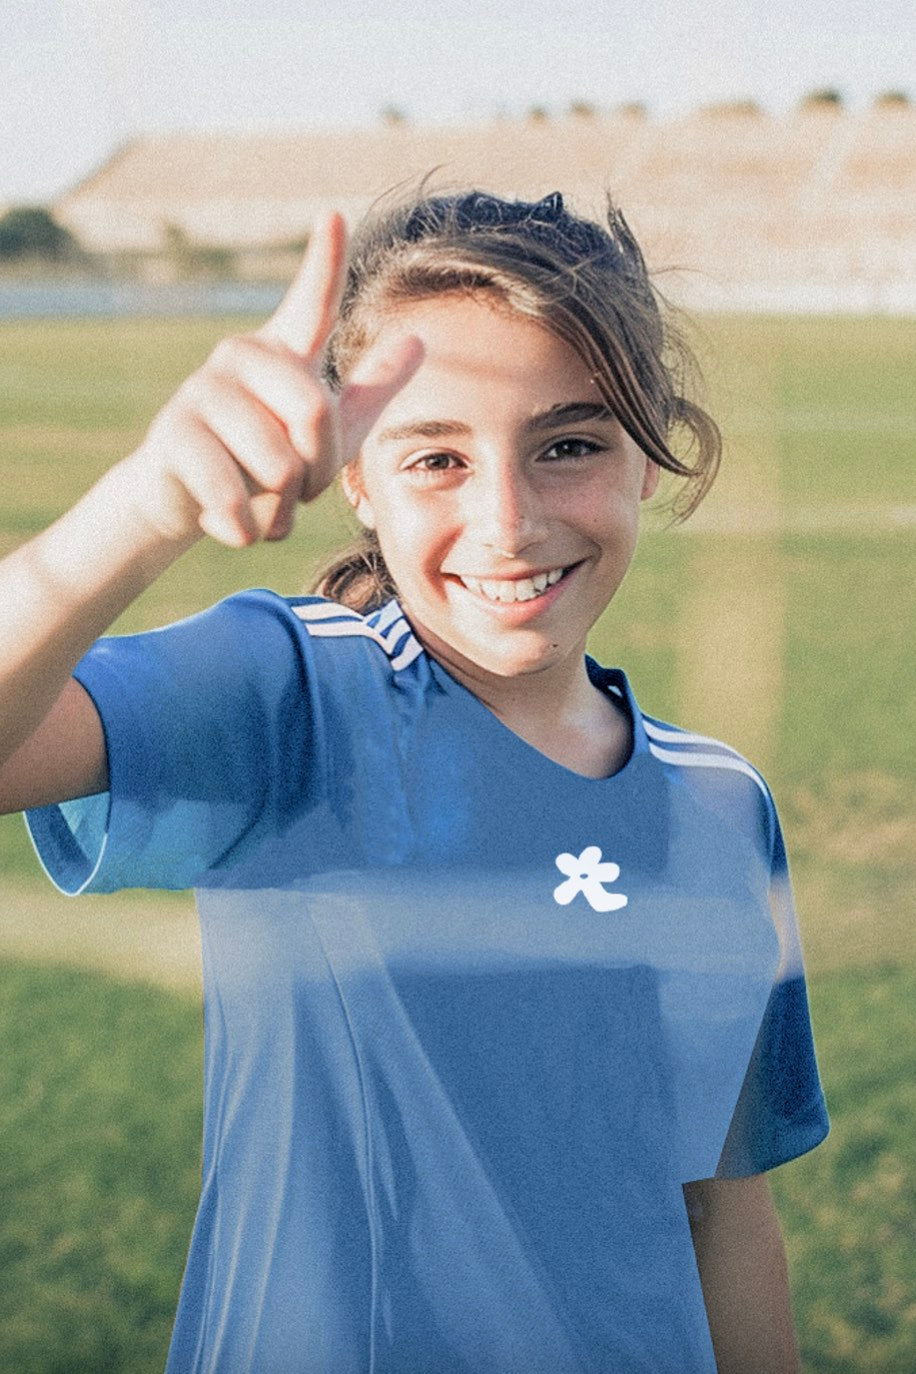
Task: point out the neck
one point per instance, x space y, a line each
558 710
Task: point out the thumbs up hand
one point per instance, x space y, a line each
256 430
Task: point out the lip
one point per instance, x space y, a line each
518 611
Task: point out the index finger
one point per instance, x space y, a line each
307 313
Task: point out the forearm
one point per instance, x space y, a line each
64 588
742 1265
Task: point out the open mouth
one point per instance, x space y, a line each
506 590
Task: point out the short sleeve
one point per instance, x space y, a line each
208 734
781 1112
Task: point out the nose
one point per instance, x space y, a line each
503 514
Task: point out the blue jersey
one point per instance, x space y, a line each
471 1019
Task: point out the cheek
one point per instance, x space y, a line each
605 512
412 540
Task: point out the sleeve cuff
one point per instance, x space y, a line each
70 840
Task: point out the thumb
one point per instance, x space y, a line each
308 312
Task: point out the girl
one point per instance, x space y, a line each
504 1005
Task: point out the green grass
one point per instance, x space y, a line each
101 1086
101 1093
848 1207
791 642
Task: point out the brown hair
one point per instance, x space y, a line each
587 284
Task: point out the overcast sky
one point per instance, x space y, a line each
78 77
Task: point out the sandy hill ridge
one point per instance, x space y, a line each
742 203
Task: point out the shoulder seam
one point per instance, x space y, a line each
732 761
327 620
661 735
672 734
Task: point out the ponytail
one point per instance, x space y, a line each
359 577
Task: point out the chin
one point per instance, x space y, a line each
517 663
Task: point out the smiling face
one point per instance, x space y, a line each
504 494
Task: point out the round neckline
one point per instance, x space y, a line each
603 678
611 681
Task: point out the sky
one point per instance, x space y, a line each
79 77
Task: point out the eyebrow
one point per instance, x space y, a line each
573 413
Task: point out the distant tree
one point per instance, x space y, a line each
31 231
582 109
537 114
392 115
633 109
824 98
900 99
734 107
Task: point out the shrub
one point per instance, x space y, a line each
896 99
31 231
826 98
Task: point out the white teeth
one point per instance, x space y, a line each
522 589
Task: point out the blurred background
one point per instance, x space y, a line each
160 169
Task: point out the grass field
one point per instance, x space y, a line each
782 622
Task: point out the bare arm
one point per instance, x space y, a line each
58 593
742 1264
248 436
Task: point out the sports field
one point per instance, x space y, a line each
781 619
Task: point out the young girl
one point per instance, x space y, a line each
504 1004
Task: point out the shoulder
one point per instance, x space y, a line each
337 655
255 617
386 631
715 774
680 748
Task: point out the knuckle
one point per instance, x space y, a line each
228 353
190 398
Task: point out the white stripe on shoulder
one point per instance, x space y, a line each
394 632
334 629
669 736
337 622
412 649
730 760
326 610
386 616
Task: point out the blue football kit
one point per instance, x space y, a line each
471 1019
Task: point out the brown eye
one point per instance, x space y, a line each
572 448
435 462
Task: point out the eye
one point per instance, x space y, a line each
432 463
572 448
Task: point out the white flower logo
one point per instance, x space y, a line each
587 874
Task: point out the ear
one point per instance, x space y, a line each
650 480
351 482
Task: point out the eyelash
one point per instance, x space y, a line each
588 445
